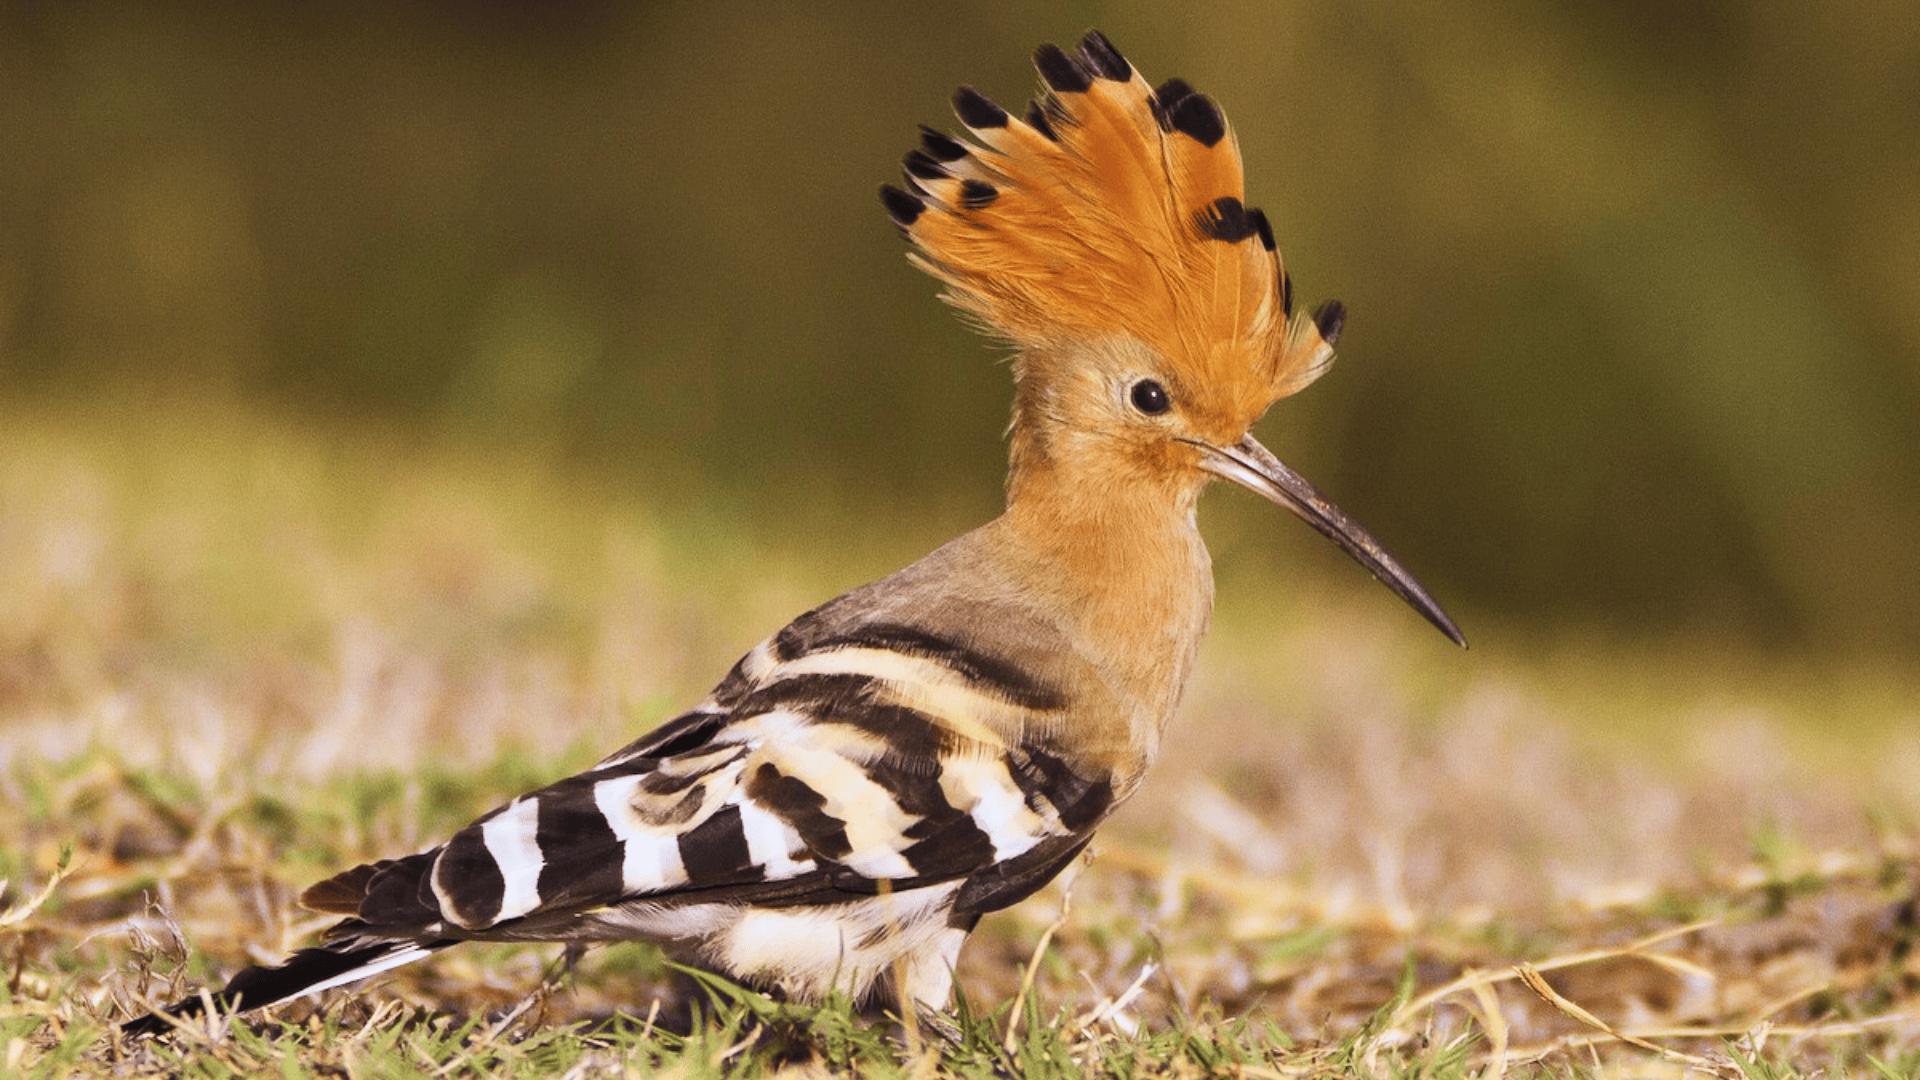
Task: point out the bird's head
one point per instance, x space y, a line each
1105 233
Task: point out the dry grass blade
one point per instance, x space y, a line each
21 912
909 1009
1111 1011
1536 982
1474 980
1262 1072
1640 1036
746 1042
1019 1009
486 1039
1493 1021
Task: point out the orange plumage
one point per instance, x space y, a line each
1112 208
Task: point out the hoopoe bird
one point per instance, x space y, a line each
868 782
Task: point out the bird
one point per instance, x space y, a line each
867 783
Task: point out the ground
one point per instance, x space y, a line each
239 652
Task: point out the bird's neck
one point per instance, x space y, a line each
1126 566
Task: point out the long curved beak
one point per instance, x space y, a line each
1253 467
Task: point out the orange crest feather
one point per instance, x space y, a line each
1110 208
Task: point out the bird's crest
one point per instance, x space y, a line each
1111 207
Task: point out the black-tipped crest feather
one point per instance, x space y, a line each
1100 57
1062 74
941 146
978 111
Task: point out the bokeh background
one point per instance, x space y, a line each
1635 287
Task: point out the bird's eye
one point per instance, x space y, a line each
1150 397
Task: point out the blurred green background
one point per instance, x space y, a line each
1635 287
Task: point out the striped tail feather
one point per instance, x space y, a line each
308 971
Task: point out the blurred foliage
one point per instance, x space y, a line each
1636 287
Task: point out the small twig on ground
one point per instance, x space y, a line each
1039 951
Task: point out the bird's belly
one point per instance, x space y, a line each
809 952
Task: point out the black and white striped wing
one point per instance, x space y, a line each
858 772
822 770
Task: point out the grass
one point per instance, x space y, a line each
239 653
